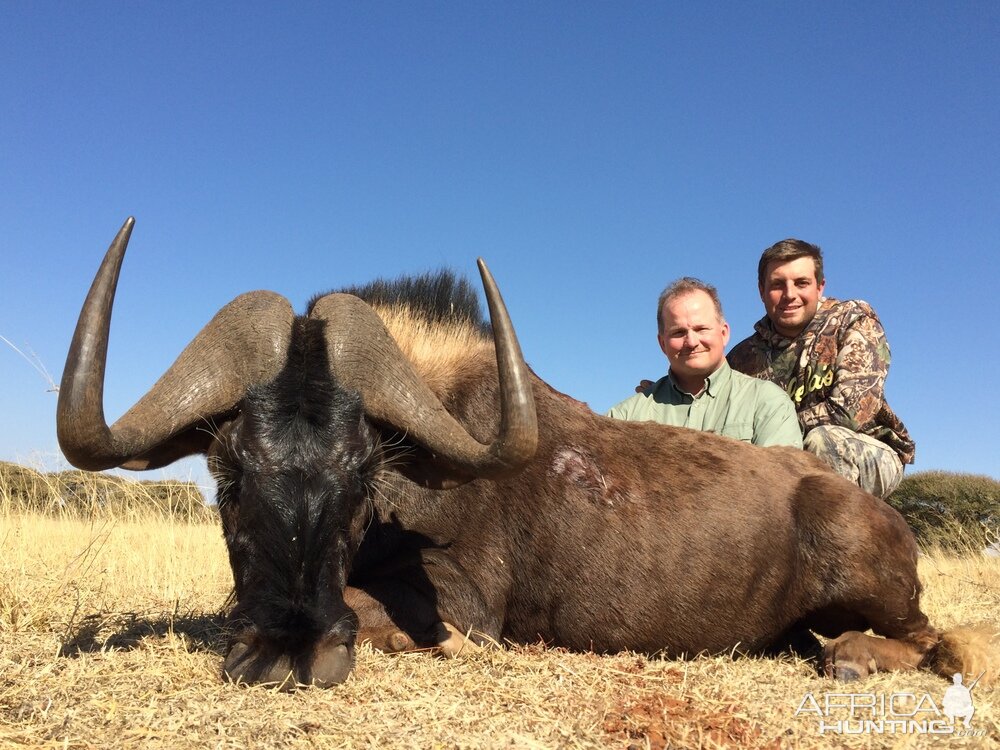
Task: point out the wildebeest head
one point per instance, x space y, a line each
291 411
293 469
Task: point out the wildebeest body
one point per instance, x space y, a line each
658 544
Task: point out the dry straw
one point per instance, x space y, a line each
111 637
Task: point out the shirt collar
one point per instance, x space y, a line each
713 383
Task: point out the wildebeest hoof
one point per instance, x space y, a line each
851 657
847 672
399 641
452 641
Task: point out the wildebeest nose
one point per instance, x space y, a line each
330 664
243 666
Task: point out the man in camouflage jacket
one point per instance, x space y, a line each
832 358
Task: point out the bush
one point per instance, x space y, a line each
950 509
87 494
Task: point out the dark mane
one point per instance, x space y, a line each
439 297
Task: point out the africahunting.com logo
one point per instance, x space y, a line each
894 713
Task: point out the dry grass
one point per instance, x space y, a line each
84 494
110 637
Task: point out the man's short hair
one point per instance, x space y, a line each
682 286
786 250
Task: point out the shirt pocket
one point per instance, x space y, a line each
737 430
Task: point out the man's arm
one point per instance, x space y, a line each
775 421
623 409
616 412
858 390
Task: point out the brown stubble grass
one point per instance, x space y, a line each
110 636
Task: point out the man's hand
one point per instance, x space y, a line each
644 385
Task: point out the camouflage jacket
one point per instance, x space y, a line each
834 371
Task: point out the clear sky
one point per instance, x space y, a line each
591 152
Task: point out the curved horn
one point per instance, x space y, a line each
245 343
364 356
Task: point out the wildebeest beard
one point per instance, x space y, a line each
293 488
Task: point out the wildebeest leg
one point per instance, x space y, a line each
393 616
855 655
422 601
891 609
864 559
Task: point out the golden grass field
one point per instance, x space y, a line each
111 637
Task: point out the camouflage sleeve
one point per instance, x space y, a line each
858 389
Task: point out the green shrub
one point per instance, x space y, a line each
950 509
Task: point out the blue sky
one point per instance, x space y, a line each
591 152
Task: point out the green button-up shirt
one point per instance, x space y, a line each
731 404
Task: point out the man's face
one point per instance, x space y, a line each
791 295
693 337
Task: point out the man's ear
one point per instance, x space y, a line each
662 342
725 333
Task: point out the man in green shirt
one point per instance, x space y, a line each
700 391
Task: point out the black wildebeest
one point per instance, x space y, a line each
389 468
